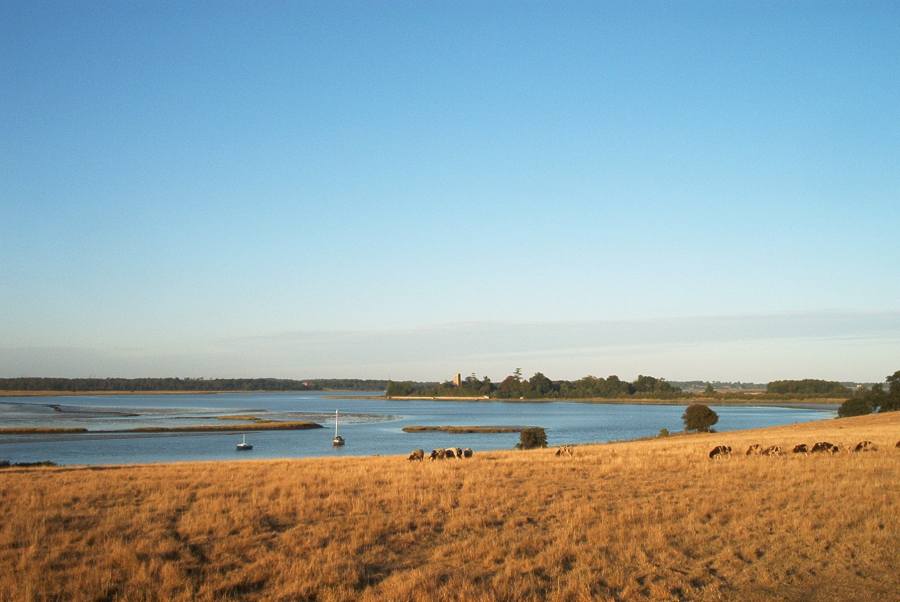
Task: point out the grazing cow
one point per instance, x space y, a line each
449 453
417 454
772 450
825 446
467 453
719 451
459 453
801 449
864 446
565 450
754 450
438 454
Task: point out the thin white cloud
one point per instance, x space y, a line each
845 345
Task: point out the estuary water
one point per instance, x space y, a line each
370 426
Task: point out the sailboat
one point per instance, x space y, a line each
243 445
338 440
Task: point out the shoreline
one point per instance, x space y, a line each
200 428
675 436
124 393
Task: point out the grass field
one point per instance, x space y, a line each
652 520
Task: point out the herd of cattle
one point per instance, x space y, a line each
441 454
719 451
722 451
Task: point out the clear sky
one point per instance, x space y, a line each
688 189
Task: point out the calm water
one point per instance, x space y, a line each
370 426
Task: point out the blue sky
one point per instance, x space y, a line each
183 181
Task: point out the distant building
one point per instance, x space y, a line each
457 380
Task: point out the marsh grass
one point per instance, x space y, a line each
648 520
464 429
28 430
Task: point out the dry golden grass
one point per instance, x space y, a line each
632 521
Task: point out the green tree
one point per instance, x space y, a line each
532 438
699 417
855 406
709 390
891 401
541 386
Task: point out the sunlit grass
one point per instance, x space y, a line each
647 520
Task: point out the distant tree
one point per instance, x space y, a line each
400 389
709 390
808 386
517 374
532 438
663 432
699 417
540 385
656 387
509 388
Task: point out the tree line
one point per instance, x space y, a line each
539 386
808 386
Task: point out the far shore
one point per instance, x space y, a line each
815 403
95 393
352 392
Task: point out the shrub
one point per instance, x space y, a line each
698 417
663 432
531 438
855 406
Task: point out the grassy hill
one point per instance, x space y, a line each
653 519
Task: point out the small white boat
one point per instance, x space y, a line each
243 445
338 440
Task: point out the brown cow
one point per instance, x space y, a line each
801 449
459 452
467 453
719 451
565 450
754 450
450 452
825 446
898 444
772 450
437 454
417 454
864 446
